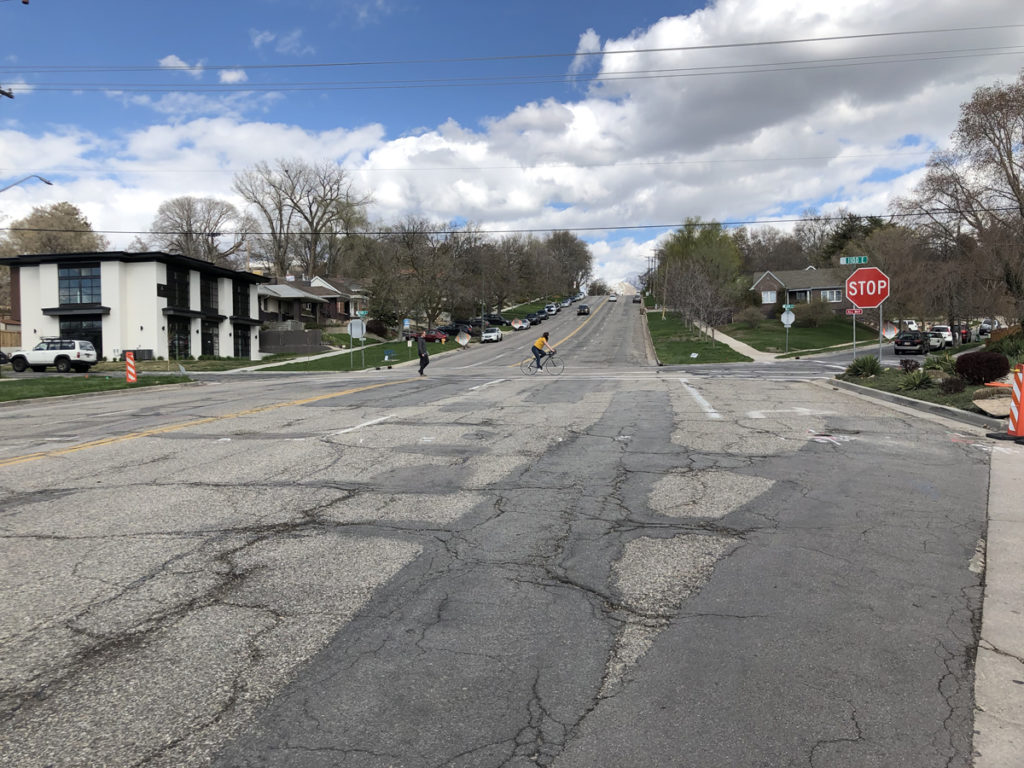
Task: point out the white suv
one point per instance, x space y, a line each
947 334
63 354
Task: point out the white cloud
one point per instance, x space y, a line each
293 44
590 43
232 76
174 62
260 38
679 134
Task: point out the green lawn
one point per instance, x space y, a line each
770 336
25 389
889 381
676 344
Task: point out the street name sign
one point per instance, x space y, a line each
855 311
853 259
867 287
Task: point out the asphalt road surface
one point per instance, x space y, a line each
624 565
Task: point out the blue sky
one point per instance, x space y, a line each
127 104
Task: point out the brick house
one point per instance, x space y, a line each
801 286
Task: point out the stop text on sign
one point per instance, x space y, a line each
867 287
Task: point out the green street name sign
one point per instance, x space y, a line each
788 306
853 259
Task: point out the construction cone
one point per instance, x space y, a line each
1015 427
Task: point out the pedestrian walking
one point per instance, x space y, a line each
421 348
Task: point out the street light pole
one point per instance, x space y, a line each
27 178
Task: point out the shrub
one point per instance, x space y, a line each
909 366
378 328
951 386
812 315
1006 341
919 379
752 316
941 361
864 366
982 367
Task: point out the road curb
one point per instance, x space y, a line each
974 419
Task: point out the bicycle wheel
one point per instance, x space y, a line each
554 365
529 367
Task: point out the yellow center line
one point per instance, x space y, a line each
578 329
185 425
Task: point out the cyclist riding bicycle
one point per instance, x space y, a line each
538 350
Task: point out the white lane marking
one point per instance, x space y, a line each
799 411
360 426
704 404
487 384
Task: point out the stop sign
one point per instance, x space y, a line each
867 287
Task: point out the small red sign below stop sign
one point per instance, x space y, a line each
867 287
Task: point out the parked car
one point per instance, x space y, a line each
936 340
4 359
912 342
491 333
583 309
454 329
535 319
435 334
551 309
613 297
987 326
496 319
63 354
947 334
520 324
636 298
566 303
543 314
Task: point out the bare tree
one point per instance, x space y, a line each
192 226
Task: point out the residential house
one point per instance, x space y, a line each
801 286
346 296
157 304
282 302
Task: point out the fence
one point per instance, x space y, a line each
10 339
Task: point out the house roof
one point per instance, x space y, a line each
346 286
173 259
805 279
288 291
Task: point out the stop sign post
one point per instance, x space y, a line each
867 288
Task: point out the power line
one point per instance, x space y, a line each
518 80
511 57
728 224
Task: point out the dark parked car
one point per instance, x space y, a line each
433 335
496 320
582 309
543 314
535 319
912 342
636 298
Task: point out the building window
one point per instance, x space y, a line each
768 297
177 288
179 342
242 348
84 327
834 295
240 294
79 284
211 339
208 294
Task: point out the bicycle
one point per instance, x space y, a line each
553 365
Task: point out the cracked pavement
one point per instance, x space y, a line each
562 572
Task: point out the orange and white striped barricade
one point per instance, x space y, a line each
129 367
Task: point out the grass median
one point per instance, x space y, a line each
676 344
27 389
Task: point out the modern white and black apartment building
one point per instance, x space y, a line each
157 304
